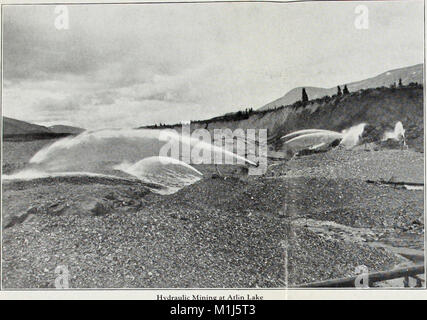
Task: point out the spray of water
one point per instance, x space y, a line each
305 131
317 138
352 135
120 153
93 150
169 173
311 140
97 151
31 174
398 134
206 146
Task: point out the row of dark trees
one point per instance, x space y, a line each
304 97
239 115
344 91
393 85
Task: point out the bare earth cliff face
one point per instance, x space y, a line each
380 108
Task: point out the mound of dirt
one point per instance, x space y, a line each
390 144
214 233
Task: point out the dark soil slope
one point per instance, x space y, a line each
380 108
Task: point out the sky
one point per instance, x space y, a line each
134 65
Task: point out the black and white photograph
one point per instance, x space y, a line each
213 145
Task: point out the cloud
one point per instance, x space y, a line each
58 105
130 65
34 50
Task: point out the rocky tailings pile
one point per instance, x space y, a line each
215 233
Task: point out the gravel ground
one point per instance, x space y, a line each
179 241
399 165
233 232
16 154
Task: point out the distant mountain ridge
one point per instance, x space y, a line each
13 128
407 74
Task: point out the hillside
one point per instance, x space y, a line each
14 127
380 108
407 74
20 130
